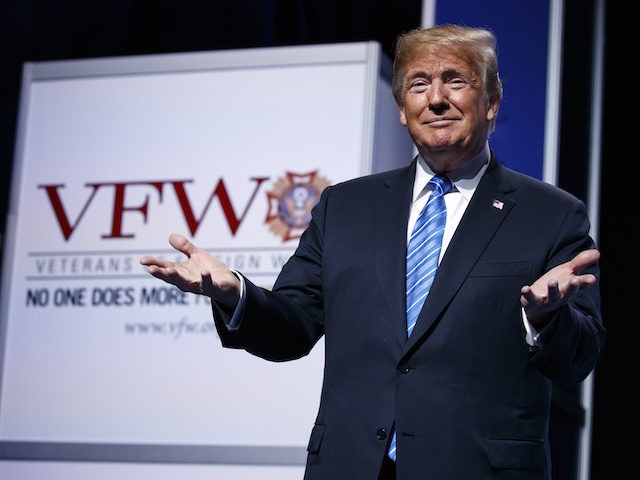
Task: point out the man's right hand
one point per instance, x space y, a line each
201 273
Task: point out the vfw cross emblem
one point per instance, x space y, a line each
290 203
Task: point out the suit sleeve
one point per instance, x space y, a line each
572 344
286 322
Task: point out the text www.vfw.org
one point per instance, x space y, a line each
174 329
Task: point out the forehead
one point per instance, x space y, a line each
435 62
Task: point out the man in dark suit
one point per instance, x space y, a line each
514 306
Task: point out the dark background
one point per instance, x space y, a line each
39 30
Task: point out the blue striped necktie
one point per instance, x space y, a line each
423 253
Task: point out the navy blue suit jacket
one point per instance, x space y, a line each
467 396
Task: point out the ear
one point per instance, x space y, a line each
493 107
403 117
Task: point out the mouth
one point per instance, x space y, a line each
440 122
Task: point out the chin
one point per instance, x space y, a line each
439 147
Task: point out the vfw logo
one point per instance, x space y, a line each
291 201
289 204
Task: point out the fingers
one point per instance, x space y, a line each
161 273
588 279
180 243
558 286
584 259
553 292
526 296
529 298
147 260
578 263
177 241
153 261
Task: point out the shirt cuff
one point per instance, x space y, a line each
532 335
232 321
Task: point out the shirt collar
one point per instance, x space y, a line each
465 178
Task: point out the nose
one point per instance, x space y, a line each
438 101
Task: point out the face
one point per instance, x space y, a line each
445 109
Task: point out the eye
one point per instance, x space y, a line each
457 82
418 86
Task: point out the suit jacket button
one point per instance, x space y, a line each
381 433
403 369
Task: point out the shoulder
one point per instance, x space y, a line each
374 181
520 185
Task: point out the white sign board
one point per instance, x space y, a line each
100 360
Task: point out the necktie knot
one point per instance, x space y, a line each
440 184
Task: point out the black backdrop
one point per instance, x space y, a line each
38 30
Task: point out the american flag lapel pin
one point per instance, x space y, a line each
497 204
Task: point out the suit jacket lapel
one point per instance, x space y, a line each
390 245
484 215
